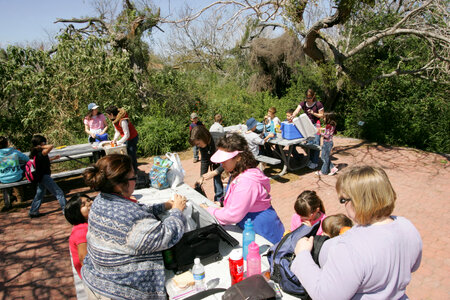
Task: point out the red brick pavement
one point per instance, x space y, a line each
34 253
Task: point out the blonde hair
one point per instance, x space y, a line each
273 110
370 192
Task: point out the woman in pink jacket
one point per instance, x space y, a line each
248 190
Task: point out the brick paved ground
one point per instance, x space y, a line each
34 253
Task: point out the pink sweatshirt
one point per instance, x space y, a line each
249 192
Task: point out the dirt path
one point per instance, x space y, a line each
34 253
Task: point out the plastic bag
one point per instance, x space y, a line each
176 173
158 173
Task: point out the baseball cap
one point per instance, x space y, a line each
251 123
194 115
92 106
220 156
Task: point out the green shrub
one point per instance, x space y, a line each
158 135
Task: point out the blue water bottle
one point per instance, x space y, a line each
248 236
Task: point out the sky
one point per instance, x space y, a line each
24 22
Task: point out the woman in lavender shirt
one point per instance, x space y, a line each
374 259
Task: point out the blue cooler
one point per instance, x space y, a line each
289 131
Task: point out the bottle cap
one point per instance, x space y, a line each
253 247
197 261
236 254
248 222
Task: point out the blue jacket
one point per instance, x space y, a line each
10 161
125 242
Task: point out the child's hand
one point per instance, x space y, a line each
209 175
200 180
305 243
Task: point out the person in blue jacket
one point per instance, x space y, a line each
11 161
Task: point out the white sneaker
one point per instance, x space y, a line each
333 171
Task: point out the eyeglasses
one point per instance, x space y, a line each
132 178
343 200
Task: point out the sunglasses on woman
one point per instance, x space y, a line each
343 200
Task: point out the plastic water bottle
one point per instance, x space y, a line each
253 260
248 236
199 275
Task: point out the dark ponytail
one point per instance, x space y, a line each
108 172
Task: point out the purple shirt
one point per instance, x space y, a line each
316 107
366 262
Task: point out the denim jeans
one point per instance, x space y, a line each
326 155
132 149
195 151
218 186
47 183
314 154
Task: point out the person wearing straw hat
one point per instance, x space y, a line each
248 190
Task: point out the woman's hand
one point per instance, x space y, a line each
179 202
304 243
204 206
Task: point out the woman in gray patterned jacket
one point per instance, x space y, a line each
125 238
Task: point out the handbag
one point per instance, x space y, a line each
158 173
202 243
176 173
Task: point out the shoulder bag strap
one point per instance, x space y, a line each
206 293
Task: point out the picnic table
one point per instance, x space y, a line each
281 143
72 152
217 271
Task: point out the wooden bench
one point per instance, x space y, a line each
5 187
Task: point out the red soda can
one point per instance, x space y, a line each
236 262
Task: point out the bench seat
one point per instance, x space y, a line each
6 186
268 160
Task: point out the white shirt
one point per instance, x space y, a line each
253 140
216 131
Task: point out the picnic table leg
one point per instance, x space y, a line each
285 162
6 198
96 156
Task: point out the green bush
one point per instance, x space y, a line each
158 135
400 111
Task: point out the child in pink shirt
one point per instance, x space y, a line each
309 210
77 212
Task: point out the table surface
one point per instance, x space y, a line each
278 140
73 150
214 271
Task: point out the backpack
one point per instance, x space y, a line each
281 256
30 170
